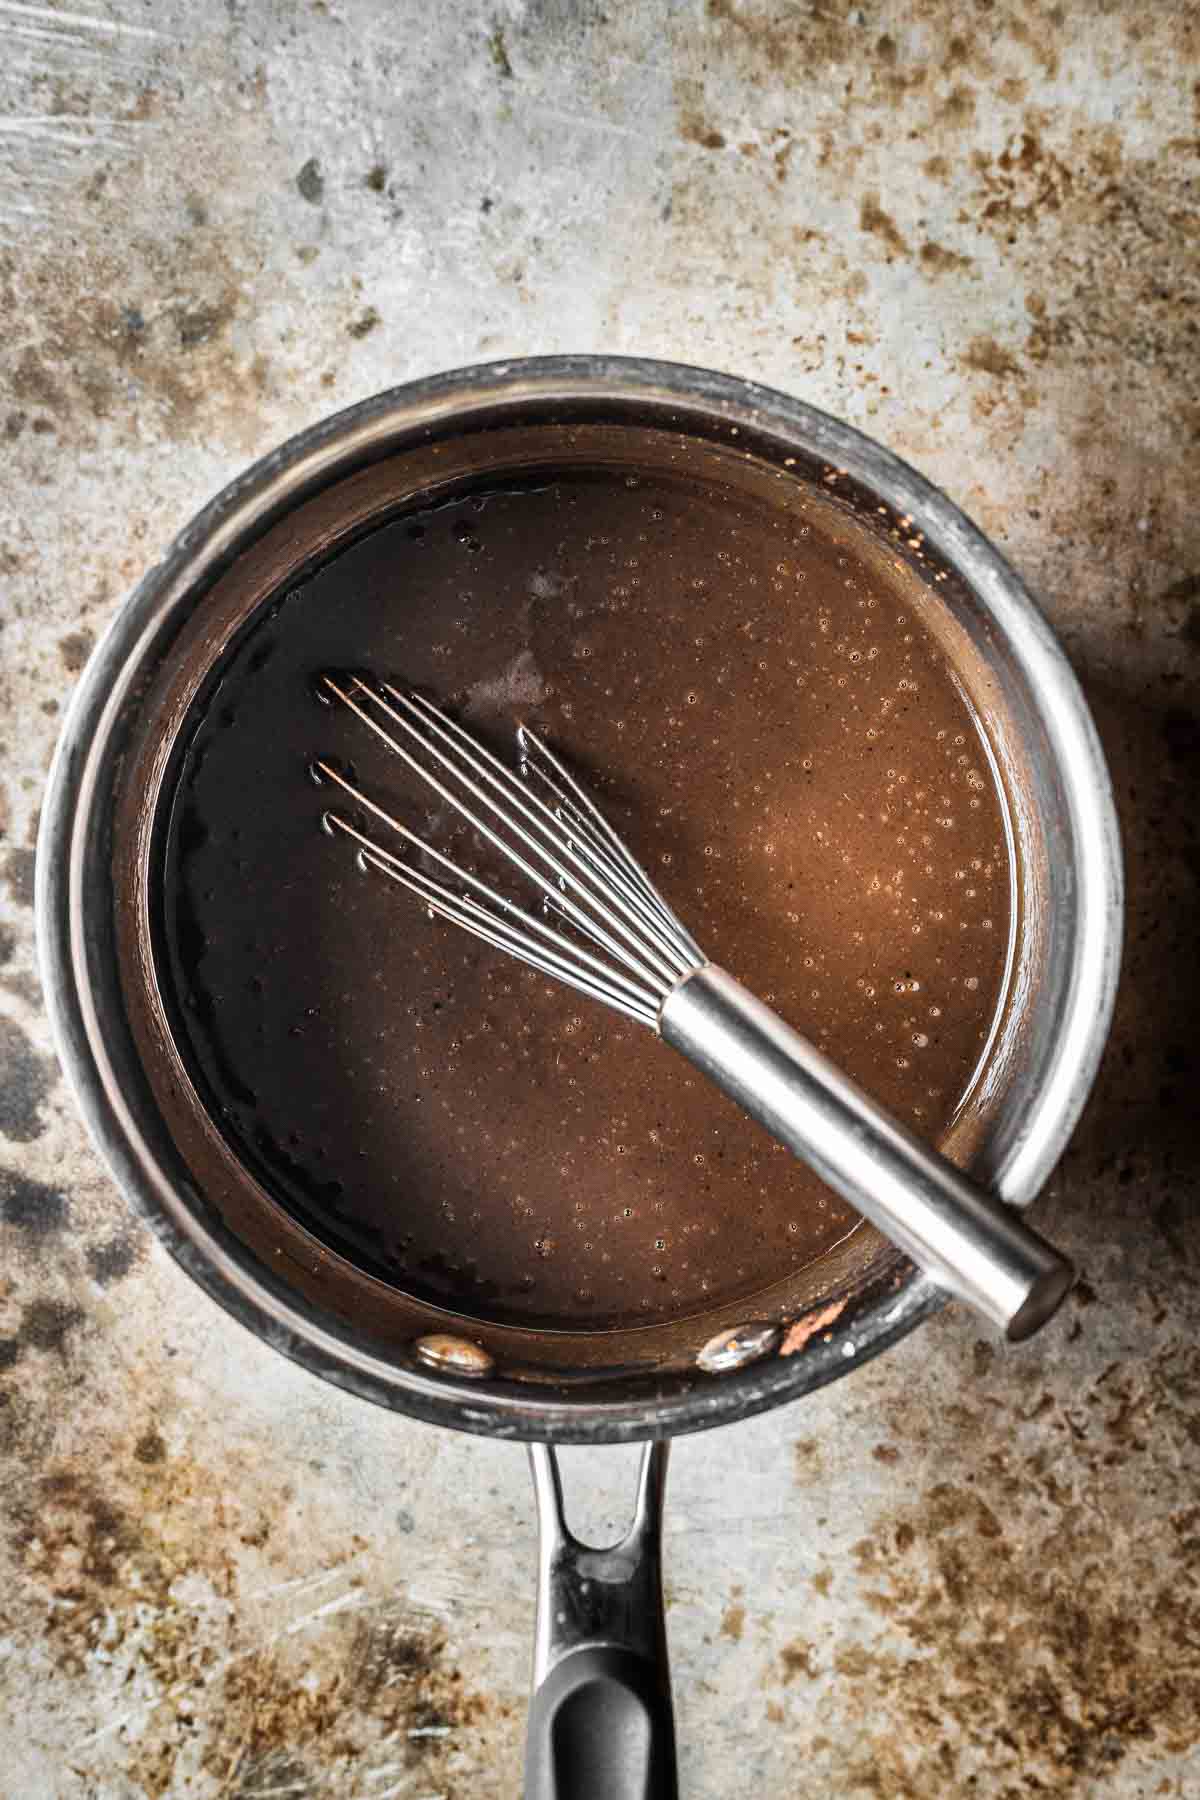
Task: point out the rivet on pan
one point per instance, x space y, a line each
454 1355
734 1348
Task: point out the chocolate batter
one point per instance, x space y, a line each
777 737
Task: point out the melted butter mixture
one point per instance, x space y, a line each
779 740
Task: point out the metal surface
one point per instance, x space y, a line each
971 1245
642 963
955 1571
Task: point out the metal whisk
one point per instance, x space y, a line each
616 939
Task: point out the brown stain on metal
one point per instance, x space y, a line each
797 1659
1058 174
98 349
135 335
693 129
769 35
873 219
394 1671
1101 233
807 1461
1026 178
1103 239
150 1448
1038 1636
733 1619
957 111
75 648
936 259
988 357
155 1569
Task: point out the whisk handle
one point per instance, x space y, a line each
969 1242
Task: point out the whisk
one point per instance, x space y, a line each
615 938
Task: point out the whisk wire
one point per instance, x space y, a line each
587 878
557 955
532 809
483 925
540 759
640 960
647 915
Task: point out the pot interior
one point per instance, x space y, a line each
307 1253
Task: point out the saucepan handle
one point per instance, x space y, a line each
601 1725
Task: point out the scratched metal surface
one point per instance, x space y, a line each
971 229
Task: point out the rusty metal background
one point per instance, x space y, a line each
975 231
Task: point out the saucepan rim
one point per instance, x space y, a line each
79 791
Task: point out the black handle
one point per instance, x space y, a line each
601 1726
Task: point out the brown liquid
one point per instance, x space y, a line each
782 744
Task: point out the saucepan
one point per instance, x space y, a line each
600 1722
